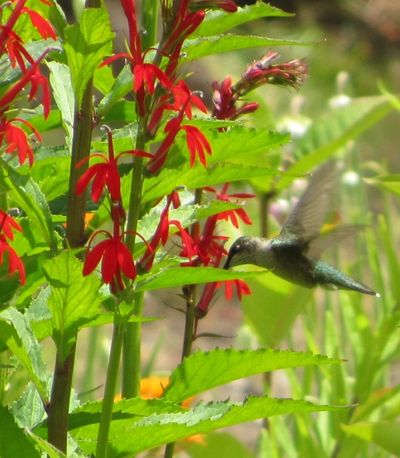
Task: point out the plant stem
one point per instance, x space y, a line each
59 402
131 351
109 390
63 371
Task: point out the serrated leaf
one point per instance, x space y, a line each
27 195
13 441
87 44
386 434
133 431
198 177
179 276
217 21
74 299
28 410
16 333
60 80
332 132
46 447
197 48
203 371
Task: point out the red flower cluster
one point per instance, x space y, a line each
11 134
7 226
116 259
226 95
157 90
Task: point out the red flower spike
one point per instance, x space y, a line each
15 263
8 224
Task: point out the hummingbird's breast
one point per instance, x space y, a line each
289 263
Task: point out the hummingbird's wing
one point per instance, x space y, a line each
305 220
324 241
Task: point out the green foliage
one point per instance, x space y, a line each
140 425
74 300
359 335
172 277
217 22
17 335
87 44
203 371
13 440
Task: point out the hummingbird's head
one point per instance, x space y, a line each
241 252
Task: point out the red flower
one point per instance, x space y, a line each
197 144
240 285
225 99
17 140
115 259
8 224
162 233
15 263
44 27
105 174
236 213
183 98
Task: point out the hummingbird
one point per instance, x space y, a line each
294 254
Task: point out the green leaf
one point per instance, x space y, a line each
388 183
16 333
201 371
197 48
51 172
121 87
385 434
26 194
60 80
178 276
74 299
87 44
28 410
132 430
13 441
333 131
46 447
273 306
217 22
198 177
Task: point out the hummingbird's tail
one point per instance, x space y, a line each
329 277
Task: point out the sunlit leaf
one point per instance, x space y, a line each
203 371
